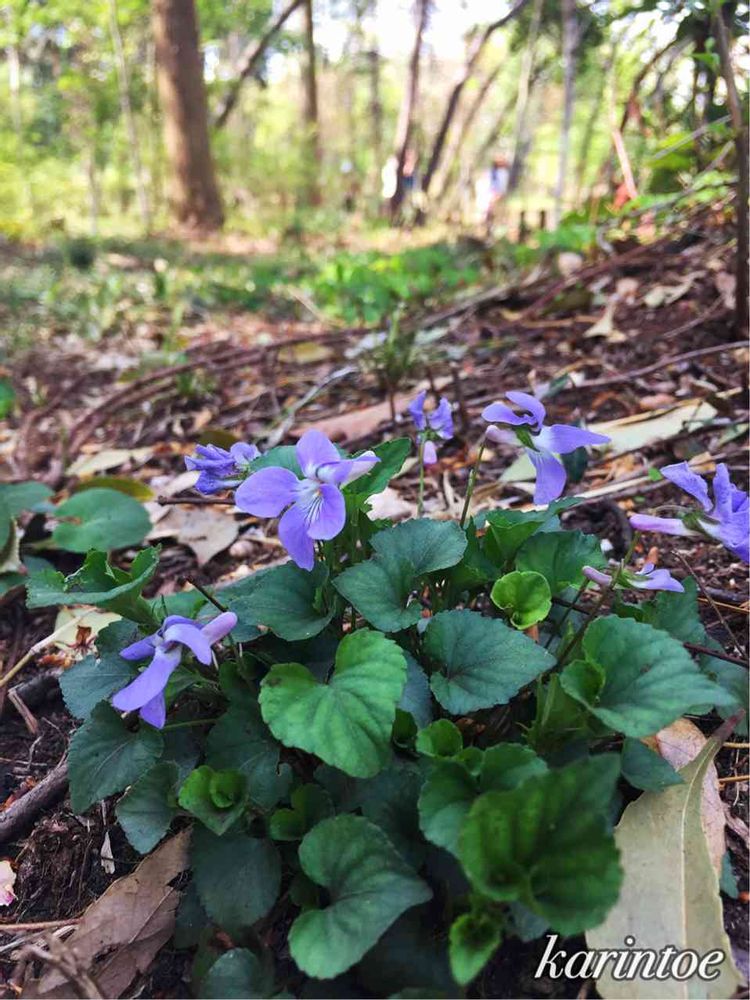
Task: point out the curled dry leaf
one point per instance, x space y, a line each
121 933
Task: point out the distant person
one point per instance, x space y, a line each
490 190
389 178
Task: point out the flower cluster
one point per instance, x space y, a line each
315 509
432 426
542 443
165 647
221 469
724 519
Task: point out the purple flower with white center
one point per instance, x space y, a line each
315 506
723 519
165 647
432 426
542 443
221 469
646 578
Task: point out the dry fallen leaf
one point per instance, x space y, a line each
605 326
205 530
352 426
670 891
391 504
7 881
678 744
109 458
121 933
77 618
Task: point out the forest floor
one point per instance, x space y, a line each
636 341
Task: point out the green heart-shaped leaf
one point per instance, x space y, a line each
147 809
635 678
369 886
240 741
105 756
453 785
547 843
100 519
480 661
559 556
286 599
346 722
380 589
310 805
428 545
525 596
216 798
237 876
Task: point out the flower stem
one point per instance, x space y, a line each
580 633
557 630
472 483
420 498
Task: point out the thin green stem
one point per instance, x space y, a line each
420 498
580 633
471 483
557 630
190 722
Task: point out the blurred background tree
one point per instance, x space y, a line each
124 116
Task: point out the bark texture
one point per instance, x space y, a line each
193 192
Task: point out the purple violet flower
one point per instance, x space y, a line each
437 424
646 578
724 519
542 443
165 648
315 506
220 469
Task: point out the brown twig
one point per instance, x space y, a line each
675 359
42 925
22 812
196 501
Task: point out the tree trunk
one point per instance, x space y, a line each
405 123
123 84
743 181
528 56
312 124
447 174
570 47
248 61
472 61
594 117
194 195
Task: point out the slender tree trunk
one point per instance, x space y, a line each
123 83
405 123
248 61
93 186
522 96
743 181
472 61
194 194
312 123
594 116
375 115
570 49
447 173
